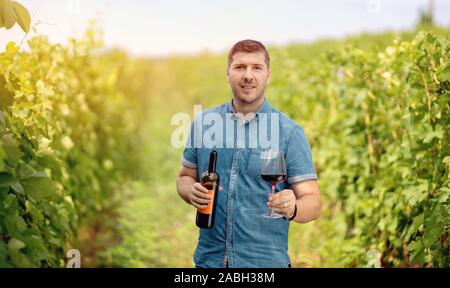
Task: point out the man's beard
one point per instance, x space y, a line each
247 101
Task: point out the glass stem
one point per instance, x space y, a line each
273 192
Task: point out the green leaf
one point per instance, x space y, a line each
3 255
10 202
15 225
7 97
11 147
447 161
438 133
20 260
3 193
2 158
418 221
39 187
11 49
15 244
444 75
23 171
7 14
443 199
431 236
37 215
18 187
23 16
38 251
417 251
7 179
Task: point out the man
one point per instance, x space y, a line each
241 237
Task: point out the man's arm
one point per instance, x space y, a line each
308 201
190 190
304 194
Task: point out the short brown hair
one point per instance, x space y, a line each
248 46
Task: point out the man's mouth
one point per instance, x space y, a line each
247 86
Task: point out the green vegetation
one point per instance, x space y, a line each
86 160
65 146
378 121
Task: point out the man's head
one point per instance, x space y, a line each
248 70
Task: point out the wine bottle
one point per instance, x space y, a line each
210 180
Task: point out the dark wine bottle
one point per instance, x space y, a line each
210 180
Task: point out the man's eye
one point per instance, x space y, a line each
258 68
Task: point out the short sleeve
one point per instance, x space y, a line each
299 162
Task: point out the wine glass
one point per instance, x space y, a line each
273 170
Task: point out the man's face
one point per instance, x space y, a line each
248 76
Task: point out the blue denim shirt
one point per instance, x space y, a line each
241 237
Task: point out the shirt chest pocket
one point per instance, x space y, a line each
254 163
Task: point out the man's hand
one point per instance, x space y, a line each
198 196
283 202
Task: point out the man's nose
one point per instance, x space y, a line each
248 76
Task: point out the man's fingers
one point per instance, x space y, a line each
201 194
280 201
198 206
280 205
280 208
199 187
282 194
200 197
200 200
280 211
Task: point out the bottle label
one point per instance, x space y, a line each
208 209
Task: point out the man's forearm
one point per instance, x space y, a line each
184 184
308 209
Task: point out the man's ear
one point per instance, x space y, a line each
228 76
270 76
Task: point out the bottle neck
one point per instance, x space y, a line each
212 161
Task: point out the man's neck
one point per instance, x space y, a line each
245 108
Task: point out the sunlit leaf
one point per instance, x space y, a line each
22 15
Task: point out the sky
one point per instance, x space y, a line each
166 27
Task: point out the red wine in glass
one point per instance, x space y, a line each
274 179
273 170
